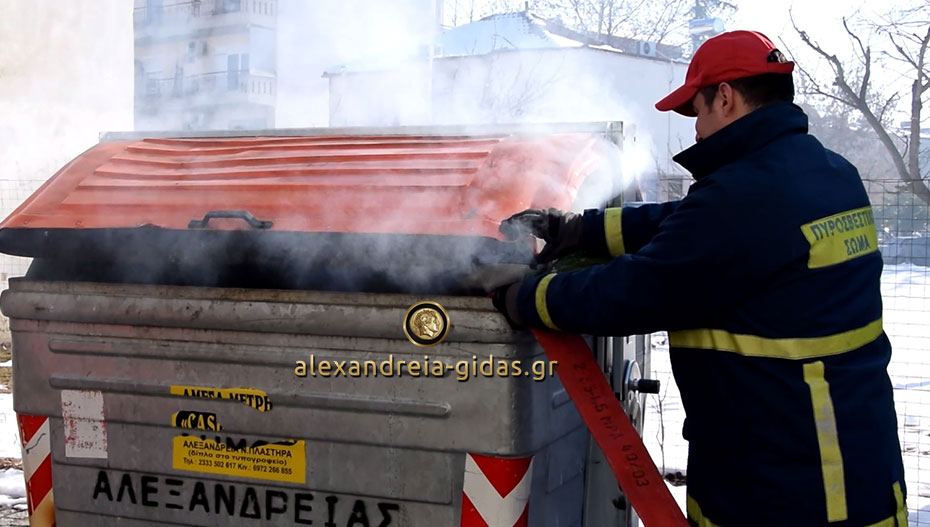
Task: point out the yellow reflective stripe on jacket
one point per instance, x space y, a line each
898 520
901 514
827 437
541 306
900 517
841 237
787 348
695 515
613 230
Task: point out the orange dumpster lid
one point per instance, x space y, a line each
344 183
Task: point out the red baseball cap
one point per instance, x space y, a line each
725 57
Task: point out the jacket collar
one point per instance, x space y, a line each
743 136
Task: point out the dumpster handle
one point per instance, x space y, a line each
237 214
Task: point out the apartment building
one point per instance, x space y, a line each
205 64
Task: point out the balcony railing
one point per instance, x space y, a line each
159 13
255 87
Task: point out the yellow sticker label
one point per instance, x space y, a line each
278 461
841 237
249 396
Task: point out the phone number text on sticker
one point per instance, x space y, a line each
209 499
278 461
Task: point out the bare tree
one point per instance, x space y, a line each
511 86
600 17
466 11
653 20
660 21
907 36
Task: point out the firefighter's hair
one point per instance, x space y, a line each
758 90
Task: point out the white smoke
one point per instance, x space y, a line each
395 72
65 76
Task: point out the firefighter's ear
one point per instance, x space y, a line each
732 103
725 96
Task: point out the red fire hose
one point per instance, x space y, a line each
611 428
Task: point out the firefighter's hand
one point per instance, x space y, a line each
505 300
561 230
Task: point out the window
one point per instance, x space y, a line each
228 6
236 64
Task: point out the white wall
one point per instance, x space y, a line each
66 74
556 85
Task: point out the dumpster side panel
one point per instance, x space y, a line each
197 395
142 494
433 412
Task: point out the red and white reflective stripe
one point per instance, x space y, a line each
496 491
37 469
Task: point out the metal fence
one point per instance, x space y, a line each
905 243
209 84
904 239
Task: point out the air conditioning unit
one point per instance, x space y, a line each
646 48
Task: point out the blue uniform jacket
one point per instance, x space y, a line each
766 276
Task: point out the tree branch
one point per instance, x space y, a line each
913 158
888 104
907 58
908 171
866 60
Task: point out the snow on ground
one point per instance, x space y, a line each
12 483
9 434
664 418
13 506
906 319
906 297
12 489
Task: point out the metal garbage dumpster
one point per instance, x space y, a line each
213 333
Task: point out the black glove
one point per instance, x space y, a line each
561 230
505 300
487 278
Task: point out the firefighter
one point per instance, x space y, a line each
766 276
